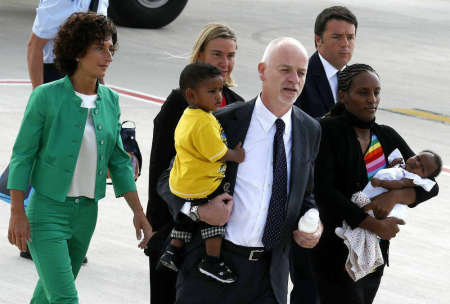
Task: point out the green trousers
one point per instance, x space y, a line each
60 234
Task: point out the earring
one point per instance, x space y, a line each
77 59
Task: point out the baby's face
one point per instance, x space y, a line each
422 164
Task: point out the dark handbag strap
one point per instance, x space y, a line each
93 7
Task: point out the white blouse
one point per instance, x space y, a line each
83 180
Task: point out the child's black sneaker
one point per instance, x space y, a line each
217 270
170 258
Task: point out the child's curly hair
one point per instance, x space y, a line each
77 34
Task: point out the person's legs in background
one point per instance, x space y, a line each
162 281
304 290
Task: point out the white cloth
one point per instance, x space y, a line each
83 180
364 253
331 73
364 249
51 14
254 178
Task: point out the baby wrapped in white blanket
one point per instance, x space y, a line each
363 245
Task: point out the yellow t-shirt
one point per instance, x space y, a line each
200 143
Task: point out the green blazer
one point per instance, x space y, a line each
49 140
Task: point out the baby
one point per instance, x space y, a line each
364 250
417 171
199 168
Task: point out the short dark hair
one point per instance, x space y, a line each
334 12
193 74
77 34
437 160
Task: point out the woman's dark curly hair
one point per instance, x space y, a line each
77 34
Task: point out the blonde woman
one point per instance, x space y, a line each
216 44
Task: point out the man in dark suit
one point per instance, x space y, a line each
334 37
271 190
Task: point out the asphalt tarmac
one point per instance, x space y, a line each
405 41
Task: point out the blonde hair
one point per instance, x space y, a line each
210 32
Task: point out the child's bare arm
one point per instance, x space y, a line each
236 155
392 184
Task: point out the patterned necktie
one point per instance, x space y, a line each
277 206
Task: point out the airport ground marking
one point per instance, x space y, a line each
140 96
421 114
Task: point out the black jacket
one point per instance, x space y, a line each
163 150
340 172
316 98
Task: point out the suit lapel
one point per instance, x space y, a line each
236 126
297 158
321 81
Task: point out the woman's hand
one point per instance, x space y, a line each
141 223
388 228
19 230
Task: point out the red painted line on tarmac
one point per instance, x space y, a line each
119 90
14 82
133 94
137 94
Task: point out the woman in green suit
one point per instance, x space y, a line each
69 137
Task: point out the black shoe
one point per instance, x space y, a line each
85 260
170 259
26 255
217 270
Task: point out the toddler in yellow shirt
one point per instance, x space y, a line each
199 168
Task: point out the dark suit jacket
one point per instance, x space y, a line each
235 120
340 172
316 98
163 150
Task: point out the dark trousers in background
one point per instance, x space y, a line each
338 287
51 73
304 289
162 282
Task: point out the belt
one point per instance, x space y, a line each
253 254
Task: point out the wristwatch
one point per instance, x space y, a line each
193 213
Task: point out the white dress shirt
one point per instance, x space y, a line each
331 73
83 180
51 14
253 187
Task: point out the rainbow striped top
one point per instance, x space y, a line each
374 157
